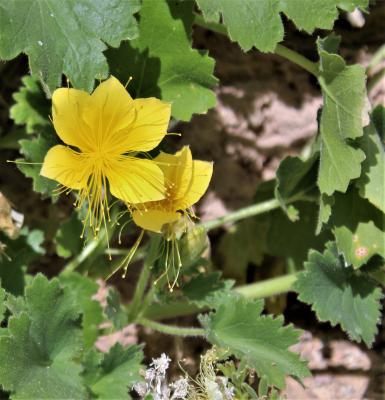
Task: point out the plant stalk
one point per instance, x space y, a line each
137 303
297 58
171 329
243 213
88 249
258 290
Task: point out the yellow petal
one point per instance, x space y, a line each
65 166
201 176
110 109
153 220
177 169
150 126
67 108
135 180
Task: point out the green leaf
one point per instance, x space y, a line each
322 14
344 93
19 254
325 211
204 289
371 183
359 228
67 238
41 344
34 151
32 107
261 341
115 373
35 238
340 295
292 240
114 309
295 178
15 304
83 289
378 117
65 37
258 22
250 22
244 244
2 304
162 62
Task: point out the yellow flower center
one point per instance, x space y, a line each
95 192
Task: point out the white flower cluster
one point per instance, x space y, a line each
219 389
209 385
155 382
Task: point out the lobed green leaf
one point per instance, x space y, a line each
340 295
162 62
34 151
204 290
342 119
66 37
258 22
261 341
359 228
371 183
112 375
83 289
31 107
295 179
40 345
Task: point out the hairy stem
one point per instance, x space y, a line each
171 329
297 58
250 211
94 247
212 26
243 213
88 249
137 303
258 290
280 50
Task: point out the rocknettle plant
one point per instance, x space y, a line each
108 82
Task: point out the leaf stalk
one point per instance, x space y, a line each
171 329
258 290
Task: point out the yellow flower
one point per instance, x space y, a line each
105 130
186 181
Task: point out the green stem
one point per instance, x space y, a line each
297 58
258 290
280 50
375 79
212 26
269 287
137 304
243 213
95 247
170 329
379 55
88 249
